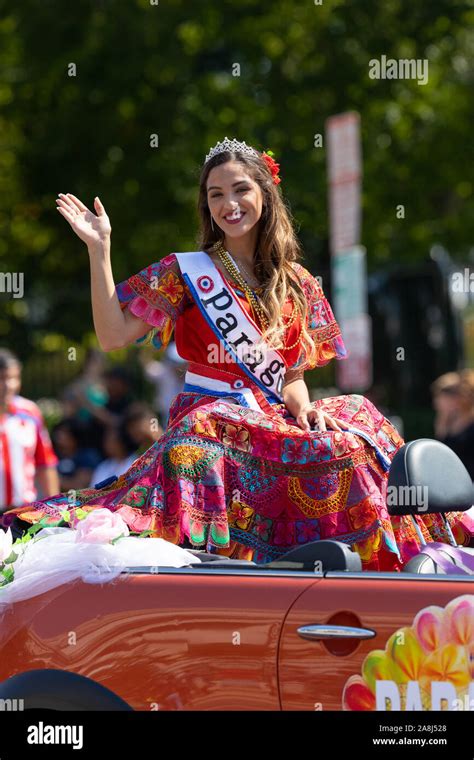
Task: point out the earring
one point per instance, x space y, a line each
212 223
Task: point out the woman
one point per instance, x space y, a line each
77 461
84 399
142 426
248 467
120 450
453 400
167 377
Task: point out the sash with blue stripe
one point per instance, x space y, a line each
231 325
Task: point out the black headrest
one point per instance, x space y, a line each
322 556
427 476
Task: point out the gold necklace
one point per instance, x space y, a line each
243 269
292 317
293 345
239 266
229 264
233 270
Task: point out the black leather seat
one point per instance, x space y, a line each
425 477
321 556
430 469
316 556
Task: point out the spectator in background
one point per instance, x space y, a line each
453 400
84 399
77 461
167 376
120 450
25 445
142 425
87 388
118 384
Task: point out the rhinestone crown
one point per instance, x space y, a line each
227 144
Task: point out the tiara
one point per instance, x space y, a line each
233 145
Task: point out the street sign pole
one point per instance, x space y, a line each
348 257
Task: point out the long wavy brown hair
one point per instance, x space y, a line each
277 246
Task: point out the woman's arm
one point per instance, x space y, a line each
296 399
296 396
114 328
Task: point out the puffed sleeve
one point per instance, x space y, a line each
158 295
320 323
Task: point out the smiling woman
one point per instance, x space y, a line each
248 467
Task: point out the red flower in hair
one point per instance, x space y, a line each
272 165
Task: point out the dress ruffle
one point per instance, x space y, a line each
150 314
158 296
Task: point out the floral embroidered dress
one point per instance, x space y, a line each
248 482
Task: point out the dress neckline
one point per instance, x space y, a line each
231 282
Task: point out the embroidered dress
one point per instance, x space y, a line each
233 473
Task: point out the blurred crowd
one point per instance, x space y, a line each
103 426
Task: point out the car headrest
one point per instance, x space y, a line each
427 476
322 556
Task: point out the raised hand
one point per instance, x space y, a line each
91 229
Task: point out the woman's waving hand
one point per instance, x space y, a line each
92 229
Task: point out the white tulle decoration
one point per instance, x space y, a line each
54 558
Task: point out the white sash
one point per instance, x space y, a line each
234 328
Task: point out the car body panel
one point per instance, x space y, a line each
227 639
392 605
186 639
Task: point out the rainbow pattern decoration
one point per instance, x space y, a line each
427 666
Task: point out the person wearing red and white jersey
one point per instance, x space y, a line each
26 451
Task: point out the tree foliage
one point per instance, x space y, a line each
169 69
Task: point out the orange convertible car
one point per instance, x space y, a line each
308 632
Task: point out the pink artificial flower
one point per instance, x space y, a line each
100 527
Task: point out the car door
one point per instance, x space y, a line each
366 641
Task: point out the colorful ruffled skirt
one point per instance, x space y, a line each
249 484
